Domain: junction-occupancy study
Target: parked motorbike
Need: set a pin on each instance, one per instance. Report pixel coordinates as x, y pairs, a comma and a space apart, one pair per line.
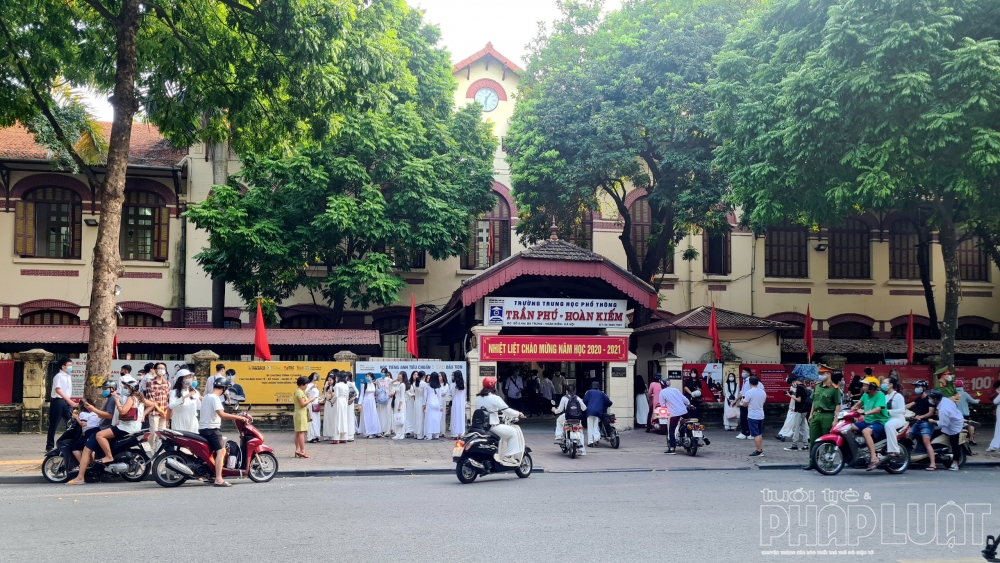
572, 438
690, 435
186, 455
941, 444
608, 430
131, 458
476, 453
843, 447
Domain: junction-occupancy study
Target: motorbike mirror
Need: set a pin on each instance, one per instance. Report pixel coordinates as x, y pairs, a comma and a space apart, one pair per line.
553, 403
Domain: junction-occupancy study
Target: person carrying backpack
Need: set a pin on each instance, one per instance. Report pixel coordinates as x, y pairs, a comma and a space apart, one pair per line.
570, 407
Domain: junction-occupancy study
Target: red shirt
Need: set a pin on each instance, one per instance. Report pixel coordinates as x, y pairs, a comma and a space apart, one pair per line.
158, 393
654, 392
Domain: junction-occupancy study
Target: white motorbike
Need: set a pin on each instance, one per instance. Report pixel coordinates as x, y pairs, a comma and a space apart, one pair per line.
477, 452
572, 438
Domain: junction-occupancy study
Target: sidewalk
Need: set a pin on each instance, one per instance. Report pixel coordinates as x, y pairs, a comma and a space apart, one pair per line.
22, 454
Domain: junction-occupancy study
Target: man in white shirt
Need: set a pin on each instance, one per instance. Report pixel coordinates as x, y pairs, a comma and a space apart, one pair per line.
746, 374
547, 389
677, 404
558, 384
60, 401
753, 400
210, 423
513, 389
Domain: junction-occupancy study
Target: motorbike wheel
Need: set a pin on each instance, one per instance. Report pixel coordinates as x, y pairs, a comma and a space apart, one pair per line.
54, 469
263, 467
465, 472
901, 463
525, 468
138, 467
165, 476
828, 458
563, 448
692, 450
572, 452
616, 441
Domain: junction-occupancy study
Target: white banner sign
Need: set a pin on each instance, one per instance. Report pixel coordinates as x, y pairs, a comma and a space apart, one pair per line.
80, 371
583, 313
409, 366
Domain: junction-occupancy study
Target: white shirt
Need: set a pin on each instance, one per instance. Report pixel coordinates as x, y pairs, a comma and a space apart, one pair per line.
210, 406
493, 405
514, 387
897, 406
746, 386
949, 417
754, 398
564, 402
210, 382
184, 410
63, 381
548, 390
90, 420
674, 400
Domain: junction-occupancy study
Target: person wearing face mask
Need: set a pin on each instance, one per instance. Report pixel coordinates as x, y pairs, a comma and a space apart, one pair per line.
963, 400
951, 422
184, 403
744, 424
995, 444
800, 412
60, 402
826, 403
731, 412
923, 410
158, 393
897, 414
872, 405
946, 382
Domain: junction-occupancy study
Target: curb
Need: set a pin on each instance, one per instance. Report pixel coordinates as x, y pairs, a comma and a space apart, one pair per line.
640, 470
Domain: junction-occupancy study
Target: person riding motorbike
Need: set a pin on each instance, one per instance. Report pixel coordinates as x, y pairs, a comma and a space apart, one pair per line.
921, 429
488, 399
896, 405
560, 411
872, 405
950, 421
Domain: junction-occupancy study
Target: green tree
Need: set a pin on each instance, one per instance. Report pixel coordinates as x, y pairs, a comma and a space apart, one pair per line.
343, 216
829, 107
250, 71
620, 102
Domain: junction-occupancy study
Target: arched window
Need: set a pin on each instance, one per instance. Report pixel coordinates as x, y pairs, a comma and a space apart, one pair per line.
850, 330
490, 238
139, 319
716, 257
50, 318
920, 332
642, 228
307, 321
583, 232
393, 345
973, 263
48, 223
786, 251
850, 251
972, 332
145, 227
904, 251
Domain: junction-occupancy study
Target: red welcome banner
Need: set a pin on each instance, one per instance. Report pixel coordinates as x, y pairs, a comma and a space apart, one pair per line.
554, 349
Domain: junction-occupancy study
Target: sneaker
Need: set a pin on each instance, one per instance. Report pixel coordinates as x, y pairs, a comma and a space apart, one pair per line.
757, 454
670, 452
792, 448
990, 450
954, 467
779, 437
741, 436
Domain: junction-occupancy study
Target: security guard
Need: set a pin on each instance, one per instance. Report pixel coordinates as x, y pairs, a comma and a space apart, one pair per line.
826, 400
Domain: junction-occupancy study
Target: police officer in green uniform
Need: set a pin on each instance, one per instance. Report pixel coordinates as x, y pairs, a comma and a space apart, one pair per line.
826, 401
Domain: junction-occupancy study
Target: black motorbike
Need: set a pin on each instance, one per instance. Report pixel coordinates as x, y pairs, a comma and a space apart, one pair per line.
131, 461
608, 430
475, 452
691, 435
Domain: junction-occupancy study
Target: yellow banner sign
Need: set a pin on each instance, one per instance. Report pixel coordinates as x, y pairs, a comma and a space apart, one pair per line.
273, 383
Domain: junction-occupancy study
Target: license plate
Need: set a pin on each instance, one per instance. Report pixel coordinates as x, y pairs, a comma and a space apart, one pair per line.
457, 452
697, 433
576, 436
663, 422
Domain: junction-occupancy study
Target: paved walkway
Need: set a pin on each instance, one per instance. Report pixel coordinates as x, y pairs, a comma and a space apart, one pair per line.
22, 454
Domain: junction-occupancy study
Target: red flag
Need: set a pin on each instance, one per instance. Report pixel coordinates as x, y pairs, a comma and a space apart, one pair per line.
114, 348
260, 347
909, 340
809, 335
713, 331
411, 332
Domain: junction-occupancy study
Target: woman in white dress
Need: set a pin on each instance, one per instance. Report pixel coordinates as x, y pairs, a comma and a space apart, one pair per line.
329, 406
641, 401
457, 405
316, 422
383, 401
371, 426
411, 413
352, 417
399, 401
184, 403
341, 411
433, 408
418, 405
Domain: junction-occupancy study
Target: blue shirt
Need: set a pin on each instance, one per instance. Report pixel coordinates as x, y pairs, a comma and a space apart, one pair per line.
597, 402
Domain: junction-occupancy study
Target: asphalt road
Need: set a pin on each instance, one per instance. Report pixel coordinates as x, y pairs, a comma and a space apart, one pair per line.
676, 516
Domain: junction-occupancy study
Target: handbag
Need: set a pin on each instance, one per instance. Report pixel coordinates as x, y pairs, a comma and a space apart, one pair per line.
397, 418
316, 407
731, 412
130, 416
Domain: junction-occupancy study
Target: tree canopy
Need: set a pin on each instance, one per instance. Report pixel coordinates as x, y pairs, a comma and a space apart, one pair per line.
831, 107
617, 103
341, 217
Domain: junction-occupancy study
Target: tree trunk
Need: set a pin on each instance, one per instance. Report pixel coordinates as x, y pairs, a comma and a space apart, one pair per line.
948, 237
220, 175
107, 260
989, 242
923, 262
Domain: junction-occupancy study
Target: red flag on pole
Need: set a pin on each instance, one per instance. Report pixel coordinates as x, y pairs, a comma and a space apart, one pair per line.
809, 335
114, 348
260, 347
713, 331
909, 340
411, 332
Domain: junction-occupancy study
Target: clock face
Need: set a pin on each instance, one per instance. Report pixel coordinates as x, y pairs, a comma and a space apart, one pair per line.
487, 98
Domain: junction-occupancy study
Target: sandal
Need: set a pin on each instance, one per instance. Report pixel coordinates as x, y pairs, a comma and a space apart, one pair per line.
932, 469
222, 484
297, 454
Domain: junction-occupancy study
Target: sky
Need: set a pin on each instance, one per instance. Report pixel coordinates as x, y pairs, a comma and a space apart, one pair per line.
466, 26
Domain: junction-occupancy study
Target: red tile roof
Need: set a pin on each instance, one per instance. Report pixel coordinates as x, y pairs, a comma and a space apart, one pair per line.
698, 318
147, 147
488, 50
196, 336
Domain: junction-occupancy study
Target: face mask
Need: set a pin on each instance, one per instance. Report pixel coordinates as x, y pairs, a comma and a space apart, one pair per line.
194, 384
161, 372
918, 390
69, 369
187, 383
948, 378
885, 386
106, 393
126, 392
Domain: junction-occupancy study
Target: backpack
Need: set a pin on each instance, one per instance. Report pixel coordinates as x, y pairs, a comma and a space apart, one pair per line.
573, 410
381, 397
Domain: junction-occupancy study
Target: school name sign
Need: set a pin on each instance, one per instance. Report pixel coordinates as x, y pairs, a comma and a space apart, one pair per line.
554, 348
581, 313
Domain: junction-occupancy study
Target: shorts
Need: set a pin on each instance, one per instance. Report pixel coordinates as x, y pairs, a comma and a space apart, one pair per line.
878, 430
214, 438
756, 427
85, 439
118, 433
921, 428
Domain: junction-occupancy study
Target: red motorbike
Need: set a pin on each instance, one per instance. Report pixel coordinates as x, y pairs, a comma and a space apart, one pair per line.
843, 447
186, 455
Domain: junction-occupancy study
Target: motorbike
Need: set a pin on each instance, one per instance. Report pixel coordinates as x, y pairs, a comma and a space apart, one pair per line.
476, 453
942, 448
131, 458
843, 447
690, 435
608, 430
572, 438
186, 455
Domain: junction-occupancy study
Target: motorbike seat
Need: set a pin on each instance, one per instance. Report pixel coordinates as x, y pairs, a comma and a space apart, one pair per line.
192, 435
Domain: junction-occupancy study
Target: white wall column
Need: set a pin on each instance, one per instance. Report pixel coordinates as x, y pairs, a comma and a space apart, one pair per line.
475, 383
620, 389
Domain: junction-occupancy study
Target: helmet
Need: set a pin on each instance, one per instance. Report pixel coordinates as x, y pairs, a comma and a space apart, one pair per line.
920, 383
108, 384
871, 380
490, 383
222, 383
128, 380
959, 383
936, 395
